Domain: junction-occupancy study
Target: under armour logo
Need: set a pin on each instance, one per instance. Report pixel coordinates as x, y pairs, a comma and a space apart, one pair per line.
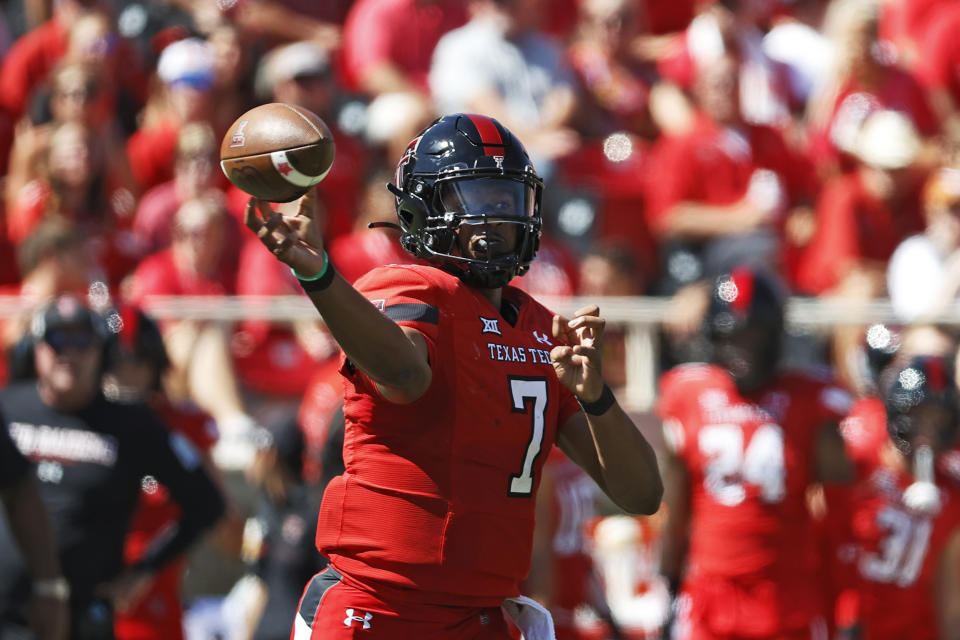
491, 325
364, 619
284, 168
542, 338
379, 303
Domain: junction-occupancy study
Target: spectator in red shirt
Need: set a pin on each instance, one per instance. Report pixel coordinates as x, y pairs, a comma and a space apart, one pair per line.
184, 94
380, 58
860, 219
718, 193
202, 368
68, 173
32, 56
862, 216
195, 172
391, 64
866, 79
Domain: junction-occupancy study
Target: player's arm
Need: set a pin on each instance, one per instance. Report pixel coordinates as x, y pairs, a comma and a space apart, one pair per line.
394, 357
948, 588
602, 439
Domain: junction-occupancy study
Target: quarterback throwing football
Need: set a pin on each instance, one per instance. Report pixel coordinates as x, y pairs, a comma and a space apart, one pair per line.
457, 386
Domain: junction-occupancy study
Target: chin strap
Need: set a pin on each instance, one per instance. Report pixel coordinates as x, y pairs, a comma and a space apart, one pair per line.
923, 496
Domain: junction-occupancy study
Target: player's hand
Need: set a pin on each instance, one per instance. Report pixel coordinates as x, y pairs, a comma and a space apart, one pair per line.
577, 362
296, 240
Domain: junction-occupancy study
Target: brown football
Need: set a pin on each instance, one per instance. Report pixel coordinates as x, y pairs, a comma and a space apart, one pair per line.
277, 151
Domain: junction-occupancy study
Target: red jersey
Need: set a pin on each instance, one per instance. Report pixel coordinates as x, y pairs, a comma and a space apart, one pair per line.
441, 510
749, 460
892, 551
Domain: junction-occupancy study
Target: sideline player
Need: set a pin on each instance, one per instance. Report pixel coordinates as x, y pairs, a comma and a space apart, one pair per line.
457, 387
901, 520
745, 444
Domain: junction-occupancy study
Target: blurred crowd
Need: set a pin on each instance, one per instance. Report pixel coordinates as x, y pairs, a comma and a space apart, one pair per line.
815, 139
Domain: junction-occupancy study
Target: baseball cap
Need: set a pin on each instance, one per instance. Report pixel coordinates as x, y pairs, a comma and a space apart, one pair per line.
67, 312
188, 62
288, 62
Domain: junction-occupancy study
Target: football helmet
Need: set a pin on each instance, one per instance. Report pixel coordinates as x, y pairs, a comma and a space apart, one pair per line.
925, 381
466, 169
133, 336
744, 325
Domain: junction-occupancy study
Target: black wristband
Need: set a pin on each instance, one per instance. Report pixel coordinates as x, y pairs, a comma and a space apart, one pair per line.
601, 405
321, 283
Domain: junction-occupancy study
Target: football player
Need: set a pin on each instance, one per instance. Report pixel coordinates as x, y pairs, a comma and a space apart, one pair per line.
457, 386
901, 519
745, 442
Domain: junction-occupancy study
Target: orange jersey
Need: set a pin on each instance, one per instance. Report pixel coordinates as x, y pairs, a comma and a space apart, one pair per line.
437, 500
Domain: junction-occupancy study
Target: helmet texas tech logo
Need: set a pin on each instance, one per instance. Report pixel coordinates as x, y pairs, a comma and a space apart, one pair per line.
408, 154
351, 618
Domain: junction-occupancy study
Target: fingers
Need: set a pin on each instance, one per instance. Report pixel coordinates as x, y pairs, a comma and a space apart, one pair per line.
308, 204
270, 227
588, 328
589, 310
250, 217
560, 327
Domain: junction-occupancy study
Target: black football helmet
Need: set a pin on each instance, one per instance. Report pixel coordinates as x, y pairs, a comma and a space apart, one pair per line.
744, 325
466, 169
134, 336
925, 381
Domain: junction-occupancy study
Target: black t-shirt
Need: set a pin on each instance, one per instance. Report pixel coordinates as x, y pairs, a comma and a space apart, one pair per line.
90, 464
13, 466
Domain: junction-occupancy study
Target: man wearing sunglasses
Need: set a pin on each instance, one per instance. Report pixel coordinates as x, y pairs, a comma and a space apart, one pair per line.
91, 457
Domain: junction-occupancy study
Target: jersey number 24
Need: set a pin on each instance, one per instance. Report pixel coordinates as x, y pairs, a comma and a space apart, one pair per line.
732, 463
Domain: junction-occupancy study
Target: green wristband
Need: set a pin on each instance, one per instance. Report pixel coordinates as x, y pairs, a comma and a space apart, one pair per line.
318, 275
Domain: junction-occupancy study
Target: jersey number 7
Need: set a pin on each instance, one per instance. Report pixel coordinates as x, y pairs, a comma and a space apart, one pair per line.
529, 395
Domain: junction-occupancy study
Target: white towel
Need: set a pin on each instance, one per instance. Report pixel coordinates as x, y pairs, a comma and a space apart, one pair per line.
533, 620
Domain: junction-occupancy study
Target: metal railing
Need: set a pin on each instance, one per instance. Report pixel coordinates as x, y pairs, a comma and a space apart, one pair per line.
639, 316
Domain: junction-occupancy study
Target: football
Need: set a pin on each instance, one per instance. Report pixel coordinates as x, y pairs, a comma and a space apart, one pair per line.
277, 151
